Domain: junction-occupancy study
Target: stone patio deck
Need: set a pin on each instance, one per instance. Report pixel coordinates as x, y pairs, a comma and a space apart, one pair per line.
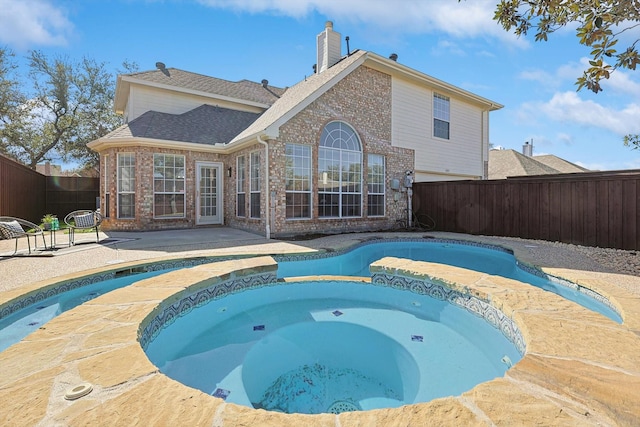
580, 367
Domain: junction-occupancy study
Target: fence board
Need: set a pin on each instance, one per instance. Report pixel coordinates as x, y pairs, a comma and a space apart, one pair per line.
592, 208
27, 194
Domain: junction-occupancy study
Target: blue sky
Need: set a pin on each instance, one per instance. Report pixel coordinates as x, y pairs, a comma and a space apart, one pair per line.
457, 42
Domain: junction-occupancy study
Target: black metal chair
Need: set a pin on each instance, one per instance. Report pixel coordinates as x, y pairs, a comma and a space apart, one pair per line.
15, 228
82, 220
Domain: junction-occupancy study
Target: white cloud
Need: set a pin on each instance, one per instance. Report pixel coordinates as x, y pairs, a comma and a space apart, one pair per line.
568, 107
32, 22
458, 19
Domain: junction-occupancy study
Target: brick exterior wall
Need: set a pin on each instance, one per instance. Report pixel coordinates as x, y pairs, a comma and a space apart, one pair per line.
144, 219
362, 99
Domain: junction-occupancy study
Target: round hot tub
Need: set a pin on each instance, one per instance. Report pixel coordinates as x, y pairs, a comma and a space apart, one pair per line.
334, 346
315, 367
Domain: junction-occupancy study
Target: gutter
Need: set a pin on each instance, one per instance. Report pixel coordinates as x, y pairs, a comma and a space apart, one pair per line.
266, 169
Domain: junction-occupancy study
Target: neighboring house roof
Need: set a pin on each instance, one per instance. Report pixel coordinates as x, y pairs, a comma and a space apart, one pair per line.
559, 164
205, 124
174, 78
505, 163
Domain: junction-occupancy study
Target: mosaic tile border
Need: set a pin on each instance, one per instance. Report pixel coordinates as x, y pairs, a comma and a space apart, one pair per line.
35, 297
377, 240
472, 304
525, 267
54, 289
568, 284
51, 291
169, 313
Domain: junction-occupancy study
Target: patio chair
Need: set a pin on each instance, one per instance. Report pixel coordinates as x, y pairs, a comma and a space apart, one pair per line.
15, 228
82, 220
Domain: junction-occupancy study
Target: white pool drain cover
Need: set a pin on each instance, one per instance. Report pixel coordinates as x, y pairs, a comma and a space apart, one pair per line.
341, 406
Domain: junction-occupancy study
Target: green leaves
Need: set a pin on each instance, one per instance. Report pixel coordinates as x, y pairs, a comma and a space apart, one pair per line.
69, 105
596, 22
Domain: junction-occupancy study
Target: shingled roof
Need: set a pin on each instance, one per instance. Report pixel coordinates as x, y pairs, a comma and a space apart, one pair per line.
205, 124
505, 163
243, 89
562, 165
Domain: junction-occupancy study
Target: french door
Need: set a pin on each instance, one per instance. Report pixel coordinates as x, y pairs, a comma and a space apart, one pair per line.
209, 193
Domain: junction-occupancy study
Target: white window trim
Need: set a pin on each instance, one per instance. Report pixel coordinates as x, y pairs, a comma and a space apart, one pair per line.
309, 192
241, 180
252, 190
183, 193
383, 193
119, 192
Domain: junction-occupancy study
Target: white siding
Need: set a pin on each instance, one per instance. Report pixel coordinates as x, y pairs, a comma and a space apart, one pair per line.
460, 157
143, 99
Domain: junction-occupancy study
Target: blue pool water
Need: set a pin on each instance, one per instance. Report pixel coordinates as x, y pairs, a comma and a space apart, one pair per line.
18, 325
352, 263
496, 262
330, 346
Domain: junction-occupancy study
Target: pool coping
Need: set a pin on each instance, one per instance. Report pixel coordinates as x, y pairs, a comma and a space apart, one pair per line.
569, 376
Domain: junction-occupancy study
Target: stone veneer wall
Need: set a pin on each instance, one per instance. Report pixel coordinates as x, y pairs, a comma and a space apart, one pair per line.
231, 219
363, 100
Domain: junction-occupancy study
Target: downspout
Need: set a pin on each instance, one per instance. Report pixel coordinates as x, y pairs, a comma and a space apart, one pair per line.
267, 205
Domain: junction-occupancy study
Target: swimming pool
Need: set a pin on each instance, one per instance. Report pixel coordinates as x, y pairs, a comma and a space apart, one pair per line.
472, 256
21, 323
332, 346
19, 318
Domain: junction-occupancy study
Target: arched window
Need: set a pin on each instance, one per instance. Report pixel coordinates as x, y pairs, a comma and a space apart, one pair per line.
339, 172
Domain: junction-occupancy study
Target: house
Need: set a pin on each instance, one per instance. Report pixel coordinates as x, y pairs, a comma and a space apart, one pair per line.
506, 163
326, 155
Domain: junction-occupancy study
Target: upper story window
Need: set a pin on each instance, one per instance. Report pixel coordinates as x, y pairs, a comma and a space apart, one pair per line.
339, 172
441, 108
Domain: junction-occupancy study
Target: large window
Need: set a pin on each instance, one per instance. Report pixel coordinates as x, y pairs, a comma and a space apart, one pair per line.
298, 180
441, 107
254, 183
241, 176
375, 185
126, 185
168, 186
339, 172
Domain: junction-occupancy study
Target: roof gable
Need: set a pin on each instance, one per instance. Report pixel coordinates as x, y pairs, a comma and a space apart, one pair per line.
301, 95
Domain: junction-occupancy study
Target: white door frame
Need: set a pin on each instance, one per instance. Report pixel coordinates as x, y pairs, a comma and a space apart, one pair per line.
219, 217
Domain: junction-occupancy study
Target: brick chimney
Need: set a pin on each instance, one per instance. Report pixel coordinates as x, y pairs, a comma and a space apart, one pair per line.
329, 48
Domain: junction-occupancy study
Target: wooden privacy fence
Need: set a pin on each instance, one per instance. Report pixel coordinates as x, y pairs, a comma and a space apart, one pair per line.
591, 209
27, 194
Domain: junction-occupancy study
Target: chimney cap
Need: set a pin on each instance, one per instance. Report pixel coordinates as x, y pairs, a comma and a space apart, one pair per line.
328, 24
265, 82
160, 65
393, 57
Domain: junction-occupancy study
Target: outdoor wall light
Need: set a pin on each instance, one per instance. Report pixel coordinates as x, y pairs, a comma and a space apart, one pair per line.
229, 172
